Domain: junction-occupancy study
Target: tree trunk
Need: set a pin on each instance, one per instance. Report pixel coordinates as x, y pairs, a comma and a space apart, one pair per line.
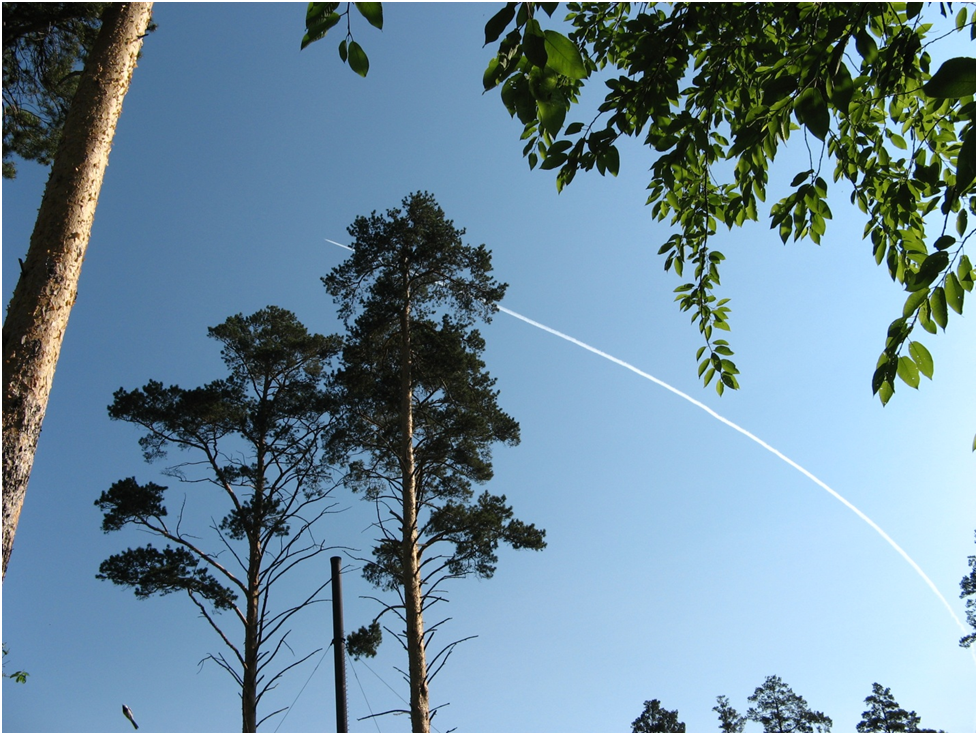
417, 663
38, 312
249, 678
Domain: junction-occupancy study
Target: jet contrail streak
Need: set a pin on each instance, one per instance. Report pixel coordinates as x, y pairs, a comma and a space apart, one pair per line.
755, 439
746, 433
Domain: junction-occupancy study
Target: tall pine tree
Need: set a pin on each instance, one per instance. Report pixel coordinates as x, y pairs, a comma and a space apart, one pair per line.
885, 715
257, 438
420, 415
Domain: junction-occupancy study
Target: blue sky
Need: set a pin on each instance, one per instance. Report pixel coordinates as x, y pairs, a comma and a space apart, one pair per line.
684, 562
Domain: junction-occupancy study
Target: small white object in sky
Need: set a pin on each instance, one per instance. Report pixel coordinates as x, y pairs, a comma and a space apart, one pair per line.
128, 713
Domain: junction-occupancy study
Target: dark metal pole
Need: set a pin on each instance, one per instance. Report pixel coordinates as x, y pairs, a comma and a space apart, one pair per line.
339, 646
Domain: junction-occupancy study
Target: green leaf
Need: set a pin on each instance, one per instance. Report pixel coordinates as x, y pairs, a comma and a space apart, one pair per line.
534, 45
925, 319
842, 88
966, 162
885, 370
866, 47
803, 176
886, 392
342, 50
551, 115
812, 112
944, 242
609, 160
923, 359
914, 300
779, 88
929, 270
373, 12
497, 23
938, 307
563, 56
553, 160
318, 29
954, 293
489, 75
358, 59
955, 78
965, 275
908, 372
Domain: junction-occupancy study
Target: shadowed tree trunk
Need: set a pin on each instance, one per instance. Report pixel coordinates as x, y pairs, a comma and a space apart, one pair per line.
38, 312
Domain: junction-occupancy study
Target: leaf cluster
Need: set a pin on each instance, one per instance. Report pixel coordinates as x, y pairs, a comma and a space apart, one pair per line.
716, 90
18, 676
321, 17
44, 48
364, 642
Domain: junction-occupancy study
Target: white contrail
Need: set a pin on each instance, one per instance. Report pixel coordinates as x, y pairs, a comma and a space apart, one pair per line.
338, 244
746, 433
755, 439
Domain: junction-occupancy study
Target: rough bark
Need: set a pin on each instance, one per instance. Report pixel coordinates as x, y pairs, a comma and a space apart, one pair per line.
413, 602
38, 311
249, 687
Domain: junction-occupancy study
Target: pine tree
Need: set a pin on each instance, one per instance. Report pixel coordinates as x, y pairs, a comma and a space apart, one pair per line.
37, 315
259, 438
420, 415
779, 709
655, 718
730, 720
885, 715
968, 595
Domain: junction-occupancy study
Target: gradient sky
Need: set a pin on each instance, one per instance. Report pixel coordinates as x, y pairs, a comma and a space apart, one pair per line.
684, 561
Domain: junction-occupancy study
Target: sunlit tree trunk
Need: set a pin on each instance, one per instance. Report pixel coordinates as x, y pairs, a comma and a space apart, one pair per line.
38, 312
413, 603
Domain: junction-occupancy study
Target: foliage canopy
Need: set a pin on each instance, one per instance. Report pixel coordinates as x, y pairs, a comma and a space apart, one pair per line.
715, 91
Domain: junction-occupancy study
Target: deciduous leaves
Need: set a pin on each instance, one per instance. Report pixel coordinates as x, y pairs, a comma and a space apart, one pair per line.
715, 91
321, 17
